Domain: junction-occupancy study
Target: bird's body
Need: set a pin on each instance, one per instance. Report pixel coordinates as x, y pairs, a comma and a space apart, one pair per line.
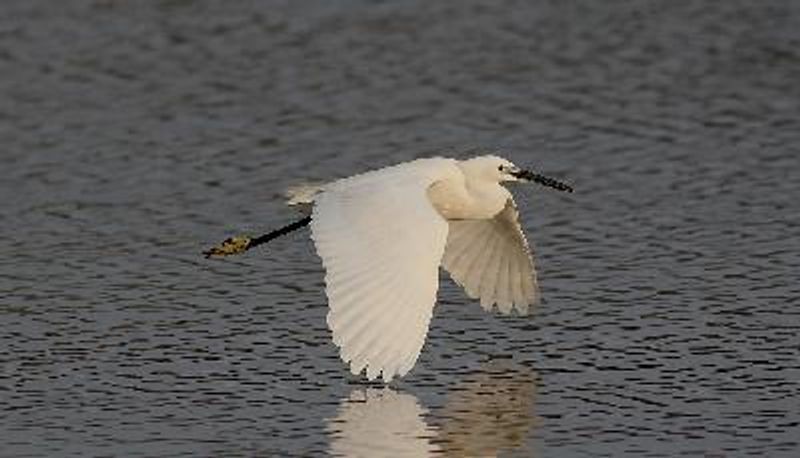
383, 235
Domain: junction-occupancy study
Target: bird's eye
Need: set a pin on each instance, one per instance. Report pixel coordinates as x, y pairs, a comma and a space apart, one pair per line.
500, 168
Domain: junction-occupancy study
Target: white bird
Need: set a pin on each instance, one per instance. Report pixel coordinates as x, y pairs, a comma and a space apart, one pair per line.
382, 236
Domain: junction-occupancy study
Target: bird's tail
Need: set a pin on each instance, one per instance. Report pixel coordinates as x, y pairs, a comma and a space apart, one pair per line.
302, 195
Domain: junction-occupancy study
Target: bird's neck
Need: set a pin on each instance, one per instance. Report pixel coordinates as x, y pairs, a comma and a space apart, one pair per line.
477, 200
488, 198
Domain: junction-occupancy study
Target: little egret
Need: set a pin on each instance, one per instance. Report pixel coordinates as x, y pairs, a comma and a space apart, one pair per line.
382, 236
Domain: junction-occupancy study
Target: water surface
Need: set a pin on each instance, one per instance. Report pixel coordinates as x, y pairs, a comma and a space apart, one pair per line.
134, 134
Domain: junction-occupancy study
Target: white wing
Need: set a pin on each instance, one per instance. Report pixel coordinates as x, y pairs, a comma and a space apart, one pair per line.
492, 261
381, 243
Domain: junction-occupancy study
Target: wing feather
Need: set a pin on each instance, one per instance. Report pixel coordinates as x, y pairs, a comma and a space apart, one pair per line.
477, 264
381, 243
503, 293
461, 259
487, 279
395, 347
353, 323
383, 347
491, 259
515, 270
520, 273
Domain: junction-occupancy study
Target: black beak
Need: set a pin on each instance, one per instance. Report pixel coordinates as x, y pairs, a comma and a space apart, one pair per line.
527, 175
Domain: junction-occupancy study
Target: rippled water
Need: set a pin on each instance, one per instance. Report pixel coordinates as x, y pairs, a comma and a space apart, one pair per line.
134, 134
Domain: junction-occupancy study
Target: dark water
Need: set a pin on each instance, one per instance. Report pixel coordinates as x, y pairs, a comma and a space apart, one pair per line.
134, 134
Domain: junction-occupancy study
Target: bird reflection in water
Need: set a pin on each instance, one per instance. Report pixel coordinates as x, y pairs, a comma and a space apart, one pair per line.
381, 423
489, 412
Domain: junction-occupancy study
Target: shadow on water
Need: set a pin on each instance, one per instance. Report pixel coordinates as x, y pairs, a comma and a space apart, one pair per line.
490, 411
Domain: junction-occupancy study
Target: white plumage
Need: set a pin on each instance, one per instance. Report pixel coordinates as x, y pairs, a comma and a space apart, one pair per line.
382, 236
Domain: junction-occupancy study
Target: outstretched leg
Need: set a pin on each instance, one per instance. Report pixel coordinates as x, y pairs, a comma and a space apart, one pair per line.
240, 244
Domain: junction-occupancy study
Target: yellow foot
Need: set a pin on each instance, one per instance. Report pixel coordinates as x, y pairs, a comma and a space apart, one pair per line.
229, 246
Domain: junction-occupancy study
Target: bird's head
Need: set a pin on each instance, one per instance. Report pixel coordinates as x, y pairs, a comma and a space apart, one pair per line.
501, 170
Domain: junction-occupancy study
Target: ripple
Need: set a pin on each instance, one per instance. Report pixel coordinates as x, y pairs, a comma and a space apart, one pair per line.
136, 133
